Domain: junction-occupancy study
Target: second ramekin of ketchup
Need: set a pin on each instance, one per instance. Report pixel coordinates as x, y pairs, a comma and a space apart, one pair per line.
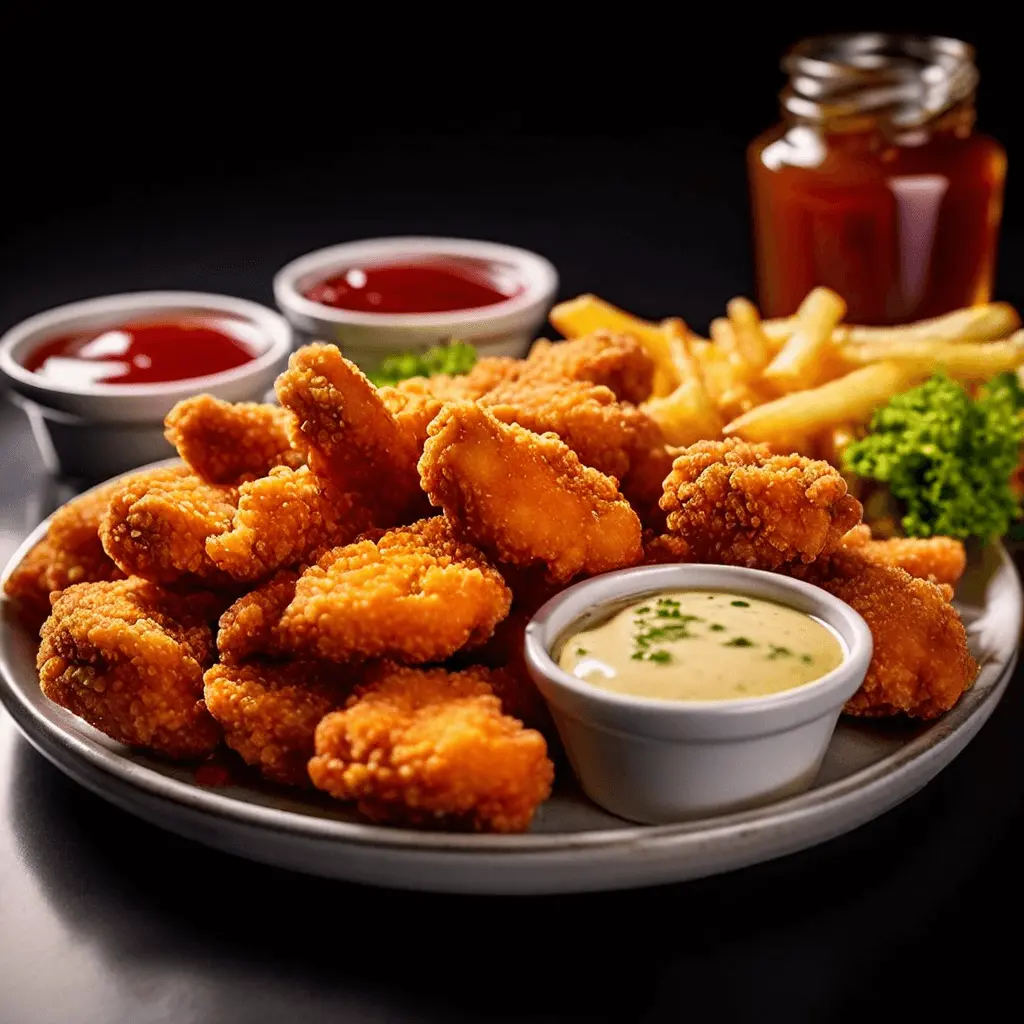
96, 378
382, 296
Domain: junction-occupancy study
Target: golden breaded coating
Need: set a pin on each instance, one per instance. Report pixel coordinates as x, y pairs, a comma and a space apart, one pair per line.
71, 552
617, 361
128, 657
158, 522
485, 375
430, 747
26, 585
284, 518
505, 657
228, 442
353, 439
666, 549
586, 417
921, 663
526, 498
940, 558
412, 411
415, 594
249, 627
269, 713
736, 503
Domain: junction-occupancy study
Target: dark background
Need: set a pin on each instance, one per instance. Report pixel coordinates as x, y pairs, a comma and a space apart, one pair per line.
188, 155
175, 153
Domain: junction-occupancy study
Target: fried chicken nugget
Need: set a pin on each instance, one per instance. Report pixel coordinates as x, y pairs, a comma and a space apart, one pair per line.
269, 713
940, 558
921, 663
526, 498
430, 747
736, 503
228, 442
249, 627
71, 552
485, 375
284, 518
158, 522
414, 594
666, 549
412, 411
128, 657
587, 418
353, 439
617, 361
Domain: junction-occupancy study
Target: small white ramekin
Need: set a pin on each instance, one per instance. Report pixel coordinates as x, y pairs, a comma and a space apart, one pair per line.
504, 329
660, 761
94, 431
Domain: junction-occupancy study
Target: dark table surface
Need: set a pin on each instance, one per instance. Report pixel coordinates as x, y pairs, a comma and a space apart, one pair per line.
104, 919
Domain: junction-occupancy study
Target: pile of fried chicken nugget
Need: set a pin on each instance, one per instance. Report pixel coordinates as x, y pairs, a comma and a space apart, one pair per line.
336, 588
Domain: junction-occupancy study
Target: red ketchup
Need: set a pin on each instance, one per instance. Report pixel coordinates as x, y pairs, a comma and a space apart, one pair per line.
151, 352
422, 286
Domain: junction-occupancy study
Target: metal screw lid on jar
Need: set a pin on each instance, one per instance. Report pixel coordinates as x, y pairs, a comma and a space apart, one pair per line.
908, 80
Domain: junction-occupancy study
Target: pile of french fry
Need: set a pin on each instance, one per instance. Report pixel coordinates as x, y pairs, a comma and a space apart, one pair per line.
808, 383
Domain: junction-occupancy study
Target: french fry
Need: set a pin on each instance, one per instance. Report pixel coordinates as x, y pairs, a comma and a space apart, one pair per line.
849, 399
688, 414
587, 313
969, 361
725, 338
988, 322
800, 362
746, 327
832, 443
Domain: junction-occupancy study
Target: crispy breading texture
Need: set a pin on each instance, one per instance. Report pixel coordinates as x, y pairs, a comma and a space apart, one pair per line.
736, 503
158, 522
250, 626
285, 518
71, 552
226, 442
666, 549
352, 437
617, 361
128, 657
526, 498
415, 594
430, 747
943, 559
485, 375
270, 712
412, 410
587, 417
921, 663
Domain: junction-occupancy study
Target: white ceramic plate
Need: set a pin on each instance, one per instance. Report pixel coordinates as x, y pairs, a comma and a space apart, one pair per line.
573, 846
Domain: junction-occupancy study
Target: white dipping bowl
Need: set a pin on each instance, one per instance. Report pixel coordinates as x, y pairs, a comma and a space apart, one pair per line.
96, 430
503, 329
659, 761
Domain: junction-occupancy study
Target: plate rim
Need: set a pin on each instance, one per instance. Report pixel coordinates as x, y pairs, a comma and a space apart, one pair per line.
59, 726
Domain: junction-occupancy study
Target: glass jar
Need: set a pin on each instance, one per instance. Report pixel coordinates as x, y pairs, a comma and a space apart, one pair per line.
876, 184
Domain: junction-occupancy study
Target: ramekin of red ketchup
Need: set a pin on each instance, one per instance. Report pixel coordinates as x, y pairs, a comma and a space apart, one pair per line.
96, 378
381, 296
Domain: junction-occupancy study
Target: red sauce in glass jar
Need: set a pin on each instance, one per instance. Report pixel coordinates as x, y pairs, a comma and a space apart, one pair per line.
145, 352
415, 286
876, 184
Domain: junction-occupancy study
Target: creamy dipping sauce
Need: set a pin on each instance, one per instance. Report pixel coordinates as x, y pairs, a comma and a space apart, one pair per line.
702, 645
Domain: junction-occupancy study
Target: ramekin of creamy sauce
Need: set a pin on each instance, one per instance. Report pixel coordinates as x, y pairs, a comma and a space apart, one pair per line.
685, 691
702, 645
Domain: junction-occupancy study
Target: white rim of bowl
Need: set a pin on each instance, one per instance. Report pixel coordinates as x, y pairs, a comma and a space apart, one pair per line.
539, 279
645, 580
274, 326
